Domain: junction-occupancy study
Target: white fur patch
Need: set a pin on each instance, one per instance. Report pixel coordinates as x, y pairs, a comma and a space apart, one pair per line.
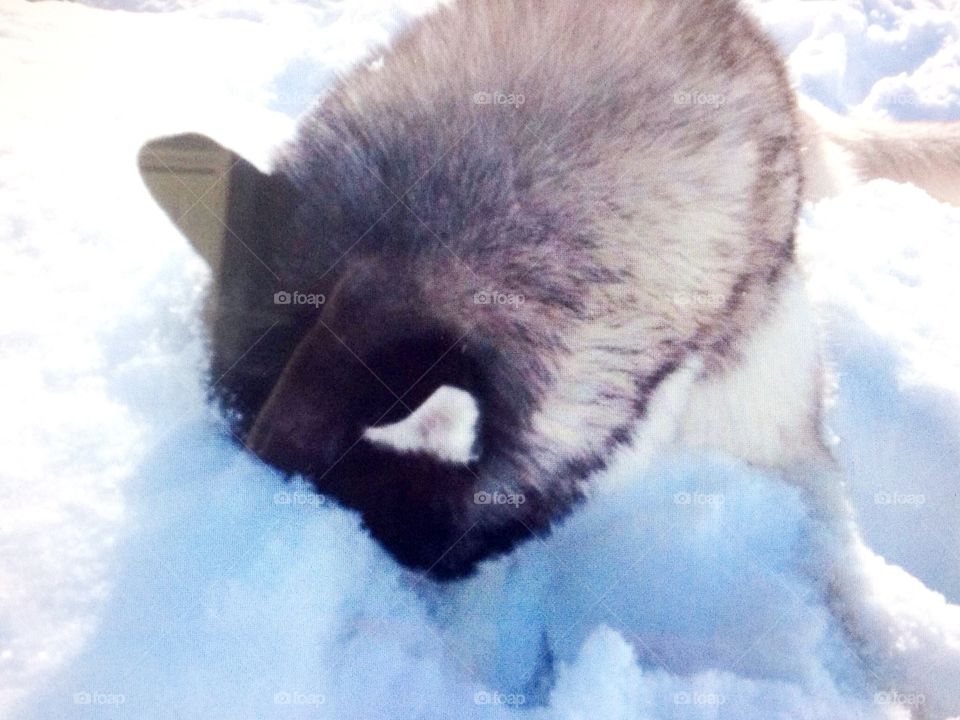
765, 410
445, 425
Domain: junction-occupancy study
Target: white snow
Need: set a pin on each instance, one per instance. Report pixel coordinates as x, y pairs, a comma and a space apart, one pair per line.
148, 569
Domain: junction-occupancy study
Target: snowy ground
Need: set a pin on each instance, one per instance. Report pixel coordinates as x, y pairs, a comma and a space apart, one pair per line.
150, 570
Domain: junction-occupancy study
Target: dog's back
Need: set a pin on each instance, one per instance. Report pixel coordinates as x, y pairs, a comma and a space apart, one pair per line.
630, 169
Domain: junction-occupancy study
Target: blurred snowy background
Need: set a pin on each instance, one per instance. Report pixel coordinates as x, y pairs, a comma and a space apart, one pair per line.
148, 569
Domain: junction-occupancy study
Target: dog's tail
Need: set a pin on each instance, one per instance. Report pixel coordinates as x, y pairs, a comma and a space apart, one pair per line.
839, 151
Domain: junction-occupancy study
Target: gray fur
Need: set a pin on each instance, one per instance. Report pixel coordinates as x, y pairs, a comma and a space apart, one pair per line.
606, 199
643, 156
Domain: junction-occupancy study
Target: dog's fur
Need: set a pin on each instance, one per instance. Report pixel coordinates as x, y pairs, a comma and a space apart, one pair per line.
580, 215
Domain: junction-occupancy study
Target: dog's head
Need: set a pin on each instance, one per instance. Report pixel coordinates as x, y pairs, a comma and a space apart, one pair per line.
342, 369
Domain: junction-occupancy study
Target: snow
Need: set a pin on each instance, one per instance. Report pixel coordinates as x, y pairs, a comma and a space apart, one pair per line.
148, 569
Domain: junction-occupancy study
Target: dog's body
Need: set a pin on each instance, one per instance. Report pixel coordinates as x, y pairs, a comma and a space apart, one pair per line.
639, 195
580, 214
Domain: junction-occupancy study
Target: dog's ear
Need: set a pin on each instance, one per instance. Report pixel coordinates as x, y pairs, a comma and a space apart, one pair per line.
209, 192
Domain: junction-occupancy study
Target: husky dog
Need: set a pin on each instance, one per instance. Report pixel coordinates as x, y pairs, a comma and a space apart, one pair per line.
574, 220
